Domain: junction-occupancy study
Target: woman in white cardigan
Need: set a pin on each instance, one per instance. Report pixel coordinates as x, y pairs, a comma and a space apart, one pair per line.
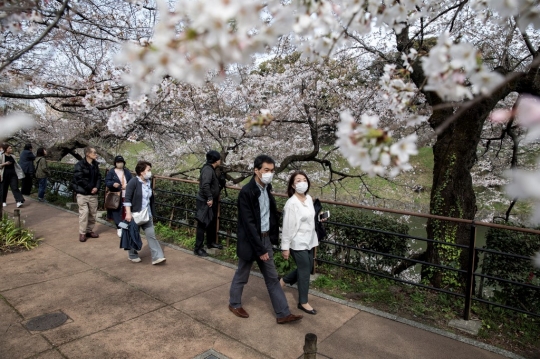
299, 237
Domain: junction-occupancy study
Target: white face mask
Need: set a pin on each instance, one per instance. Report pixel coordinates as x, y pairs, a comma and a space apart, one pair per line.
301, 187
119, 165
148, 175
266, 178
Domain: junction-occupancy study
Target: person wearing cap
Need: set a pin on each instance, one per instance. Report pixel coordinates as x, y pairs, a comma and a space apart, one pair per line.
116, 180
207, 200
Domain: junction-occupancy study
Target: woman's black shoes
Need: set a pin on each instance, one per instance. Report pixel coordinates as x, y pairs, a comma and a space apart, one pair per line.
312, 311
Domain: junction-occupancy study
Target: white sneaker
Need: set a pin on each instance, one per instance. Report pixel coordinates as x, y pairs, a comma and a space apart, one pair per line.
119, 232
19, 204
4, 204
136, 260
157, 261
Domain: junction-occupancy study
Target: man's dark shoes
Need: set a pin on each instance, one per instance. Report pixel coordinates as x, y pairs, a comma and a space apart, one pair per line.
289, 318
239, 312
82, 237
301, 307
201, 253
215, 245
92, 235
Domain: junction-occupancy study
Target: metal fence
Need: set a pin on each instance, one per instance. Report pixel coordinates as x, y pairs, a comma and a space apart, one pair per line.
377, 243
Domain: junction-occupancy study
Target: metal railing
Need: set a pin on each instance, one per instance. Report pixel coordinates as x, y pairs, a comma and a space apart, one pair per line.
175, 203
471, 274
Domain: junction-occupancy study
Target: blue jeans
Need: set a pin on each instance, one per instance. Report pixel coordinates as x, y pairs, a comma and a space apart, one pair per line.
42, 187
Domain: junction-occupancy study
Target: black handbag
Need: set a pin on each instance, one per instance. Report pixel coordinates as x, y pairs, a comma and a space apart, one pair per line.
112, 200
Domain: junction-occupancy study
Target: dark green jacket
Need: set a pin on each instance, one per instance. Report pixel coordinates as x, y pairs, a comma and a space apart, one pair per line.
42, 170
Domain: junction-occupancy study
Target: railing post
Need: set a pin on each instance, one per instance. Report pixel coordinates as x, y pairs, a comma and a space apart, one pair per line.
17, 217
310, 346
470, 273
217, 219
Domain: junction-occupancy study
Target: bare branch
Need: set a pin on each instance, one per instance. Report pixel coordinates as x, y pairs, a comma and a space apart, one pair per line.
38, 40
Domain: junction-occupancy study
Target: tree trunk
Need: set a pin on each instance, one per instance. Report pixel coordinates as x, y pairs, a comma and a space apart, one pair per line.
452, 192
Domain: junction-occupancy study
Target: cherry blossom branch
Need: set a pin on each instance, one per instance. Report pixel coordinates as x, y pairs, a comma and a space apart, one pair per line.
470, 104
38, 40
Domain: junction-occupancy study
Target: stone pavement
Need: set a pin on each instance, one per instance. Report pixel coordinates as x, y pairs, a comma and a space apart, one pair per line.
120, 309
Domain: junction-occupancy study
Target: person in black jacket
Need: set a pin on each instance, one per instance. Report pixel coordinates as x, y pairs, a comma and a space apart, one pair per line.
258, 229
86, 182
116, 180
10, 173
26, 161
207, 200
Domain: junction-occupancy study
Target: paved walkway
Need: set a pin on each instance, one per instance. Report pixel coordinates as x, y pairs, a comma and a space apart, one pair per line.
119, 309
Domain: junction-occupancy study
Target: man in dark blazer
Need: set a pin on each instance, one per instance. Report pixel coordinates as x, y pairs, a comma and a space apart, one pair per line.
258, 228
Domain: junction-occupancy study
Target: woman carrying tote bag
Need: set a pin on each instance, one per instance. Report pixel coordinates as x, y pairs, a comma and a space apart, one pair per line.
140, 198
116, 181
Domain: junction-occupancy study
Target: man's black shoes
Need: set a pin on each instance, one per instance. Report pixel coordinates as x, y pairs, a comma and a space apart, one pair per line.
200, 253
215, 245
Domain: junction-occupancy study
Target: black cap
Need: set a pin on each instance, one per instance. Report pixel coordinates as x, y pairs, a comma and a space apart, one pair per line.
119, 159
212, 156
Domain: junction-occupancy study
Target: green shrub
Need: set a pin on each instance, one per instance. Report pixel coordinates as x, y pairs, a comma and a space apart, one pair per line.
175, 202
181, 236
283, 266
514, 269
13, 238
349, 239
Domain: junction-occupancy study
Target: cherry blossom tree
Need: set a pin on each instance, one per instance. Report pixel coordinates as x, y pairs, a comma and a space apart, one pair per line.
458, 59
60, 53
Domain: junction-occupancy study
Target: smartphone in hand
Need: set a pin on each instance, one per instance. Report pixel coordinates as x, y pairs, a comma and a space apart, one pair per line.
324, 215
123, 225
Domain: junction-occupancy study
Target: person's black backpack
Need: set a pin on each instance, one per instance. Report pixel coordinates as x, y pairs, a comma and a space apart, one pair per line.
319, 227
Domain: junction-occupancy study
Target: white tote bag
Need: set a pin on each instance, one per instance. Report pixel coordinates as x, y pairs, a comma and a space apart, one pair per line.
141, 217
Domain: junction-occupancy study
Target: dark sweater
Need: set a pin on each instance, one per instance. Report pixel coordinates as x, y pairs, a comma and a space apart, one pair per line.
134, 193
26, 161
